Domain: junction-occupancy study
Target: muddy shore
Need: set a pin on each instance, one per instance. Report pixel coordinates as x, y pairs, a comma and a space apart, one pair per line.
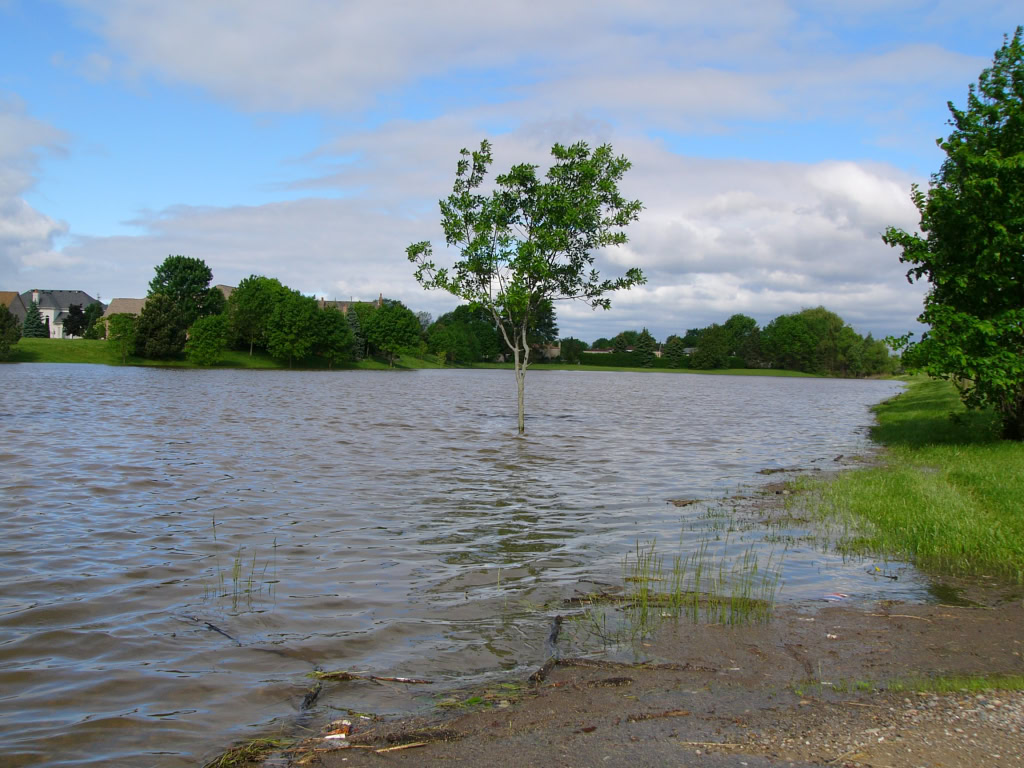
812, 687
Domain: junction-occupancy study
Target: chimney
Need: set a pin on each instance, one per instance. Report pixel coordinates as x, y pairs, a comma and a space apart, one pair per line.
35, 295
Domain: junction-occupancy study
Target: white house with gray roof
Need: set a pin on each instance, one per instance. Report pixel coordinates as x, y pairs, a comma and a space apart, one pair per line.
54, 305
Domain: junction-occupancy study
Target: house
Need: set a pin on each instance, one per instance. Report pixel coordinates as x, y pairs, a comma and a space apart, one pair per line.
53, 306
12, 300
343, 306
124, 307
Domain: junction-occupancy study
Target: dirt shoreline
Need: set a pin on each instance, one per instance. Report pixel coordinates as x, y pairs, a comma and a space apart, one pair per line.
808, 688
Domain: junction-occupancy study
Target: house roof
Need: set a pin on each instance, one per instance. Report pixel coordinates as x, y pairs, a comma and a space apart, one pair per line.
125, 307
58, 299
12, 300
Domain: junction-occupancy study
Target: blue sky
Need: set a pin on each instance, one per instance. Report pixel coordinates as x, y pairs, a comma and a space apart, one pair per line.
310, 141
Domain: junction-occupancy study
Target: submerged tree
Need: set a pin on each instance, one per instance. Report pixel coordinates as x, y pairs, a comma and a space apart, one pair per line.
531, 240
972, 249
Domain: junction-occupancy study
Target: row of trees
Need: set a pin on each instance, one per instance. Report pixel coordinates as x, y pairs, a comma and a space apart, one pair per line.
184, 314
471, 335
812, 340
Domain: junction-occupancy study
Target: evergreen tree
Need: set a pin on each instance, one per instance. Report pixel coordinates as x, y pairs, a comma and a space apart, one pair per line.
34, 328
644, 349
75, 322
160, 329
673, 351
358, 337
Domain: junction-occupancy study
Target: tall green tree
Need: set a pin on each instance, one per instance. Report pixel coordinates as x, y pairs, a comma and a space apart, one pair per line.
358, 337
712, 350
207, 340
470, 335
531, 240
971, 247
249, 309
360, 313
93, 328
334, 339
624, 340
645, 349
672, 352
292, 330
571, 350
160, 330
121, 334
186, 282
392, 329
75, 322
34, 327
744, 338
10, 332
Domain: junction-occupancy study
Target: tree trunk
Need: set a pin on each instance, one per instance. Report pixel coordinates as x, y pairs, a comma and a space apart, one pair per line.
1013, 420
520, 366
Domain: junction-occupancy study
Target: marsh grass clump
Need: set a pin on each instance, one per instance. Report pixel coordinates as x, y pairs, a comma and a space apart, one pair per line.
245, 581
247, 753
699, 586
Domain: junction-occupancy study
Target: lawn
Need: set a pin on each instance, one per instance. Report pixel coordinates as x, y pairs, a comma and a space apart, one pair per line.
948, 494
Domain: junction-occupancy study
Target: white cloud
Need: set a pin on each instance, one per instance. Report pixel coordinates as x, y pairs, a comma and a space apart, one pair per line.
717, 237
26, 235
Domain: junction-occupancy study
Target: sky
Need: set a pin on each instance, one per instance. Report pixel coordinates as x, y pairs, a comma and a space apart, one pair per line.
771, 142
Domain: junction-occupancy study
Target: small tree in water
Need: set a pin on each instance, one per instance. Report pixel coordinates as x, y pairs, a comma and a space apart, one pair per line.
531, 240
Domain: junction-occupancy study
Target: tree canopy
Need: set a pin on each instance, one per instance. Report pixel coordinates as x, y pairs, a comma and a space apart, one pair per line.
393, 328
207, 340
121, 334
249, 309
160, 329
186, 282
971, 247
10, 331
531, 240
75, 323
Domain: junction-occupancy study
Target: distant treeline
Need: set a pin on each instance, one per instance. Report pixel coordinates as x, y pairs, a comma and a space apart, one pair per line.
812, 340
183, 314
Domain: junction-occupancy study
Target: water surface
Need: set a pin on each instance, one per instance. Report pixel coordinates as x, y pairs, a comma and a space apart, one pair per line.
179, 548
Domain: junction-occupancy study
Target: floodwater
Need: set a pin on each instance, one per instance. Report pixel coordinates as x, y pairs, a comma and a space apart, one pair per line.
181, 548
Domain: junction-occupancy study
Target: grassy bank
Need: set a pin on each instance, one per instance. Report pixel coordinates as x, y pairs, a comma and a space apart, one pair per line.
101, 353
948, 495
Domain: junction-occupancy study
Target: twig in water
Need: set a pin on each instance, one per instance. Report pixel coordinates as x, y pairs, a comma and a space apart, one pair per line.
401, 746
342, 675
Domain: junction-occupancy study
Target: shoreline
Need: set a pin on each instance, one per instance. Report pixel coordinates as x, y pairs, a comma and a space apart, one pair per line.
820, 684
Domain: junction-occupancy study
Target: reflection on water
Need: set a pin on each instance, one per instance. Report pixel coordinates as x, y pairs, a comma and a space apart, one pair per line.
180, 548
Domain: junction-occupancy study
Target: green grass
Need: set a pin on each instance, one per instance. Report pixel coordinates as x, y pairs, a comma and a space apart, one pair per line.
948, 495
101, 353
959, 684
698, 586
